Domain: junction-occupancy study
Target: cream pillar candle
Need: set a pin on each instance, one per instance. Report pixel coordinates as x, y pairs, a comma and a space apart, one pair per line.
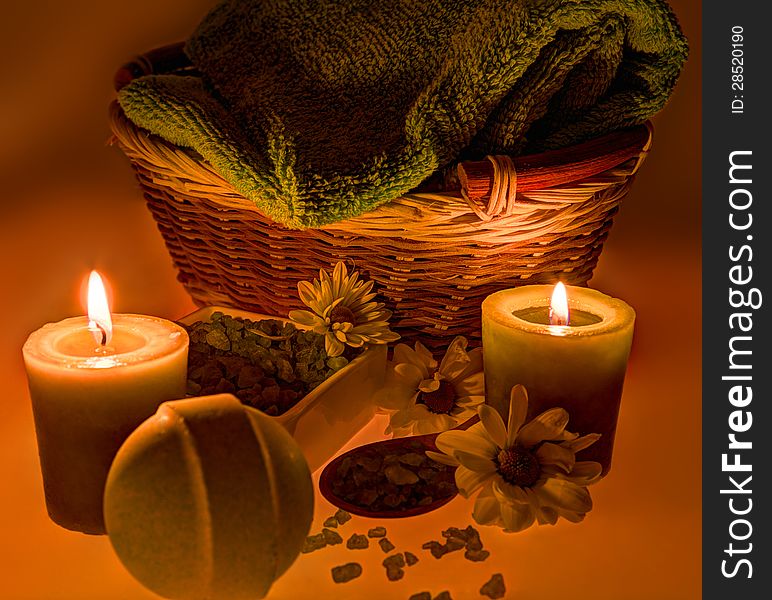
92, 383
580, 366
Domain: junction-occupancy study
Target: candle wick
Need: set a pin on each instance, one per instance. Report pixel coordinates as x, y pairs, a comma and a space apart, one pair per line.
103, 331
556, 318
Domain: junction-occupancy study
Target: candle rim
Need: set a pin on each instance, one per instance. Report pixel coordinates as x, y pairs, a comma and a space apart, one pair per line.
576, 314
615, 314
41, 344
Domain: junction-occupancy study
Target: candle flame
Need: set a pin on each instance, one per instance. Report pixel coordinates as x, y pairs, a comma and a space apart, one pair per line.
559, 305
99, 320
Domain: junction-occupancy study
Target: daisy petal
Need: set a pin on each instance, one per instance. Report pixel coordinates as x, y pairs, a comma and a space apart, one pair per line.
491, 420
408, 416
307, 293
345, 327
552, 454
585, 473
564, 494
409, 373
433, 424
388, 336
547, 515
403, 354
305, 317
371, 327
518, 407
517, 517
442, 458
572, 516
426, 357
469, 441
455, 361
338, 275
332, 346
475, 364
357, 341
506, 492
547, 426
396, 394
471, 385
392, 399
581, 443
475, 463
486, 508
469, 404
429, 385
468, 482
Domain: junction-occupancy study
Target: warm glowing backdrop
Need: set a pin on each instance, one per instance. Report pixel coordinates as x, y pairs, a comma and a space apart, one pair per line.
69, 203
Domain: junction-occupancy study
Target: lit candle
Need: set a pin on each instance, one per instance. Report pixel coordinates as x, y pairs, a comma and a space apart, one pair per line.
566, 352
92, 381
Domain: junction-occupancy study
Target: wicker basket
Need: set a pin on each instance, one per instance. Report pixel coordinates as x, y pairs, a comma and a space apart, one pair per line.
435, 255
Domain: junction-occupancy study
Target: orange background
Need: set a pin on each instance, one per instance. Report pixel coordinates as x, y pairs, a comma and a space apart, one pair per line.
69, 204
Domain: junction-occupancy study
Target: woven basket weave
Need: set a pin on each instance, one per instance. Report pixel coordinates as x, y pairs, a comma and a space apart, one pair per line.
433, 255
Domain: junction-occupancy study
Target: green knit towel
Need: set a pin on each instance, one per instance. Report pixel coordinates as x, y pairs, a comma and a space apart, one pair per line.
320, 110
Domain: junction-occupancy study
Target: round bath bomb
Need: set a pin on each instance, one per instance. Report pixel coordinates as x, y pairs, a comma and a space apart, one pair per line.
208, 499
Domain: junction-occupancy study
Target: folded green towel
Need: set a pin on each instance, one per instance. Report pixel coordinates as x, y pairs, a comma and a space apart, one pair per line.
320, 110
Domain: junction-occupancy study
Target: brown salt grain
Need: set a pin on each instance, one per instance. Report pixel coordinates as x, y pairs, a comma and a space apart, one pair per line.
494, 588
331, 537
347, 572
377, 532
313, 542
357, 542
476, 555
342, 516
330, 522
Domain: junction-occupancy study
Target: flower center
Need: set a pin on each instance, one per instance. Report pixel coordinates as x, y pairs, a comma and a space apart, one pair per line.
342, 314
442, 400
518, 466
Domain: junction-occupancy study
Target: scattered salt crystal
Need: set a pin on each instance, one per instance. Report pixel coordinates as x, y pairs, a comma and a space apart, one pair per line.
346, 572
494, 587
377, 532
386, 545
395, 560
313, 542
476, 555
331, 537
357, 542
342, 516
454, 544
331, 522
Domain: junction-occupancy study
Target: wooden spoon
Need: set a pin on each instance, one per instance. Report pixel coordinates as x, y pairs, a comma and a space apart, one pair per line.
392, 446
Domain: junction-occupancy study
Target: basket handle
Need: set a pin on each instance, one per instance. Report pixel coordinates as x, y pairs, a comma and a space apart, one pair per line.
501, 178
159, 60
501, 192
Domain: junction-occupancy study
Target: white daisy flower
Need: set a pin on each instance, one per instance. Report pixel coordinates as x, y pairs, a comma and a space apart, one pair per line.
427, 397
526, 473
343, 310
